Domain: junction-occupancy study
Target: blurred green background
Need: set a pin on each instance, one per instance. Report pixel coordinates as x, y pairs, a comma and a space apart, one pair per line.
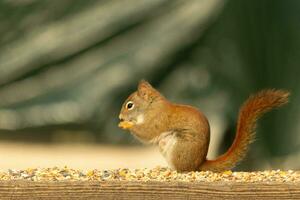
66, 66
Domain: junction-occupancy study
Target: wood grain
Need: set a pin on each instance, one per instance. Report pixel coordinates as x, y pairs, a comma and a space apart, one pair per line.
146, 190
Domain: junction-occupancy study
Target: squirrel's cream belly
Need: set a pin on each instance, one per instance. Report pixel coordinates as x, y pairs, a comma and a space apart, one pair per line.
167, 142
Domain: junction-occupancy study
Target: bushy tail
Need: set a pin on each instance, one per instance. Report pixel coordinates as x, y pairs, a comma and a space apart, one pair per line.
249, 113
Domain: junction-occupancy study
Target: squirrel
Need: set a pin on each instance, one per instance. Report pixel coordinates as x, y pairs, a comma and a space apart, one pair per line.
182, 132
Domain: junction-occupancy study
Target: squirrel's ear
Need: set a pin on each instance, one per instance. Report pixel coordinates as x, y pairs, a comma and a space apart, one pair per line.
145, 90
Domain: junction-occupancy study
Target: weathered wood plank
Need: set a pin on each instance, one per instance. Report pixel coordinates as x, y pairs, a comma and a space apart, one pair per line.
146, 190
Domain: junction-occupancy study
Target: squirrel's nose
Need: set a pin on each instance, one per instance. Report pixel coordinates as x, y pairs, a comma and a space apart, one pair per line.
121, 117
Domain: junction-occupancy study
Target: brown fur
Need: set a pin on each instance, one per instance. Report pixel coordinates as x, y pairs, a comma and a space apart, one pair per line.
182, 132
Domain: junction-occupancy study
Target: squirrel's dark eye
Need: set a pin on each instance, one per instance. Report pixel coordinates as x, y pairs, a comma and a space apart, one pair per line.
130, 105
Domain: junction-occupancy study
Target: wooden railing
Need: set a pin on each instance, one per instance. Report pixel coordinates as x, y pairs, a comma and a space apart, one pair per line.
22, 189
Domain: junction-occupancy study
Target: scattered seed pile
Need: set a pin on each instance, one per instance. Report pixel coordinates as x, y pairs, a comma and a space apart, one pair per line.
156, 174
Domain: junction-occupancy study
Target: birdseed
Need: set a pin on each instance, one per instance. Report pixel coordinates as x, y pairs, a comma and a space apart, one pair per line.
155, 174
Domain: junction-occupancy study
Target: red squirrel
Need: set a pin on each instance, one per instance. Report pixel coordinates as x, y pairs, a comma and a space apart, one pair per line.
182, 132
